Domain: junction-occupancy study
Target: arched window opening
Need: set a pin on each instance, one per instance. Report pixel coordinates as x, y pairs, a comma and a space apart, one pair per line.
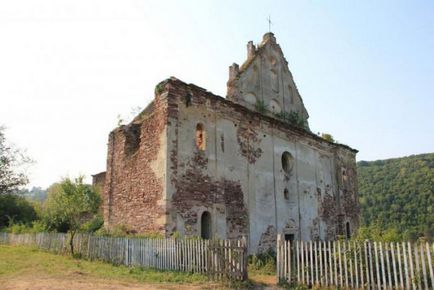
344, 174
200, 137
348, 230
290, 97
205, 226
286, 194
287, 162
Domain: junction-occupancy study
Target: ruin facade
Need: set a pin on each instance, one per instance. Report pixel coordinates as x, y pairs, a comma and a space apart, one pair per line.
198, 164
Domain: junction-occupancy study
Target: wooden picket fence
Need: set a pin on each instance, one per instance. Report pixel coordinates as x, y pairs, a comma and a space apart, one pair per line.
228, 259
356, 265
219, 259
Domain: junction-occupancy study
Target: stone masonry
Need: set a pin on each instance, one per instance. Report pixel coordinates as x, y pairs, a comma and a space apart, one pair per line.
248, 161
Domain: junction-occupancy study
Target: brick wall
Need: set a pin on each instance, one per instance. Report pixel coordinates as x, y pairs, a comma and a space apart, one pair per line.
134, 187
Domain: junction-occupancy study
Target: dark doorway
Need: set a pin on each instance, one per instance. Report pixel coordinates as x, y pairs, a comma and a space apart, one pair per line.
348, 230
289, 237
205, 226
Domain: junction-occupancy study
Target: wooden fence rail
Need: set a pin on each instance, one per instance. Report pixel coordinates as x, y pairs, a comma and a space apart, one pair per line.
349, 264
219, 259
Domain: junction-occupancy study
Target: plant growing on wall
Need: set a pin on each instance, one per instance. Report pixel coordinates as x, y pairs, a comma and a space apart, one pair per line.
293, 118
159, 88
327, 137
261, 107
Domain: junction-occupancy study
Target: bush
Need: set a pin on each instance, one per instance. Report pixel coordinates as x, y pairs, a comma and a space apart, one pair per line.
15, 209
20, 228
376, 233
293, 119
124, 231
328, 137
116, 231
284, 284
38, 226
263, 262
93, 225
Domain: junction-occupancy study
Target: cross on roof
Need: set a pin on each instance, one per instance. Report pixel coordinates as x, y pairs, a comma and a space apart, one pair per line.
269, 23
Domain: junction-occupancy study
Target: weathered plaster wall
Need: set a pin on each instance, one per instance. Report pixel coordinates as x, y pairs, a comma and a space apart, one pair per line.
134, 192
162, 177
197, 180
239, 177
265, 77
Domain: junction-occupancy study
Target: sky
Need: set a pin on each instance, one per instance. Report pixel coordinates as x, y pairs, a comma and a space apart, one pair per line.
365, 69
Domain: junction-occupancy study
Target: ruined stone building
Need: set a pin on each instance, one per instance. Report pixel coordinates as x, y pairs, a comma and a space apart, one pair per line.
245, 165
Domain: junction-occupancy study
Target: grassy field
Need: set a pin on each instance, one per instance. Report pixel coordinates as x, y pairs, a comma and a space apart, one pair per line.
30, 268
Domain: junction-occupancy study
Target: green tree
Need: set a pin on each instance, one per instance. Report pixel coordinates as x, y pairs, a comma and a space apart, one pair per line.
11, 160
15, 209
69, 206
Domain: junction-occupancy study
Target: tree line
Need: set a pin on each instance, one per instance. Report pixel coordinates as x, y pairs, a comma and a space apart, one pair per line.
397, 197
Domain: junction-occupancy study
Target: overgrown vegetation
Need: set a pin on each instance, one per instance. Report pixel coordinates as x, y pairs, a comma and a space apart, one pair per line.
263, 263
159, 88
124, 231
260, 106
294, 119
328, 137
397, 198
284, 284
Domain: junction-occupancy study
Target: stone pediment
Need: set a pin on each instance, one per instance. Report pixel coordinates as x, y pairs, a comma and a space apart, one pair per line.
264, 82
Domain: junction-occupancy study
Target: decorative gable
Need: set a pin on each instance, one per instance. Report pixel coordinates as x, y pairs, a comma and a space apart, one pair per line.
264, 82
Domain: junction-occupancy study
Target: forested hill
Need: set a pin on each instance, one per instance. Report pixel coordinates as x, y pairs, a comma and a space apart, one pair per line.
397, 195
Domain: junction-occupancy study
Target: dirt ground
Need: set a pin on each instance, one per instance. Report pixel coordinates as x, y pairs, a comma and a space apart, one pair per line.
80, 281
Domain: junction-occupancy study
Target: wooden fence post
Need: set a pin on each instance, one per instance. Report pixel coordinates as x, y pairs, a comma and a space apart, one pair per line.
279, 258
416, 260
407, 275
383, 271
401, 279
321, 279
430, 266
297, 254
422, 258
410, 260
377, 267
